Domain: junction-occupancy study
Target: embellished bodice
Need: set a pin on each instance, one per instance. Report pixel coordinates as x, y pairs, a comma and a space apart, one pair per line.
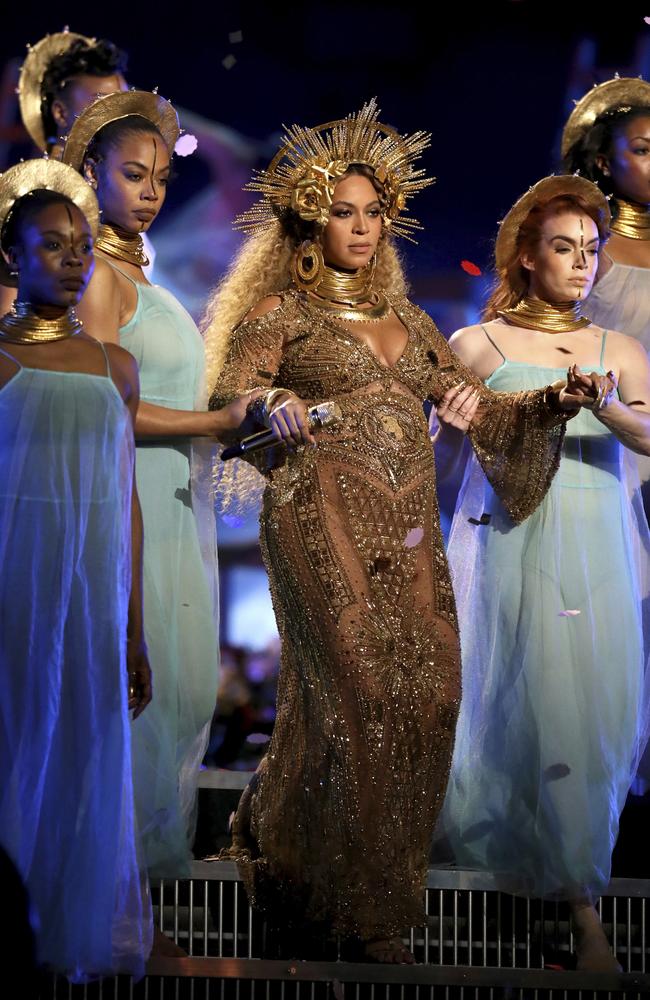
300, 347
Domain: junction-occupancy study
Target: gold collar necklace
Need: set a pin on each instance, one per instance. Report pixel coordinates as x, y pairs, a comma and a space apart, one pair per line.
124, 246
345, 293
551, 317
23, 325
631, 220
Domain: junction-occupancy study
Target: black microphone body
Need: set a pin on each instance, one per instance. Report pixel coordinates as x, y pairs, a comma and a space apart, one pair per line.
321, 415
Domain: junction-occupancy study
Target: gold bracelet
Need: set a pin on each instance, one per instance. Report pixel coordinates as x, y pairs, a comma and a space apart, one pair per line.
551, 399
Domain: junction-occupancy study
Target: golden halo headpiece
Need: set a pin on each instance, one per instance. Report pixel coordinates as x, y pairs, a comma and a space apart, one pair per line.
540, 194
111, 108
32, 73
303, 173
36, 175
612, 95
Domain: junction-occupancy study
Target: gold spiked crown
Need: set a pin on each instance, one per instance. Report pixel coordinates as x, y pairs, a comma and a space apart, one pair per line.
304, 172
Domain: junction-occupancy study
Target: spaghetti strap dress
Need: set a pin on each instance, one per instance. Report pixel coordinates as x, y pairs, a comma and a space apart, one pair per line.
66, 797
553, 714
179, 577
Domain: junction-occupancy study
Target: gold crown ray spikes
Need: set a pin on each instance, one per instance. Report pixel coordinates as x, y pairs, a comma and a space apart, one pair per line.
304, 172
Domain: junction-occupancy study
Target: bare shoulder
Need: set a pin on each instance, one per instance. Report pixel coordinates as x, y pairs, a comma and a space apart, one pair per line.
124, 369
466, 335
620, 345
266, 305
104, 276
469, 342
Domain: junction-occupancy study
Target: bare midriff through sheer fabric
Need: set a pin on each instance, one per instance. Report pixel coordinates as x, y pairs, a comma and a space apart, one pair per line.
336, 824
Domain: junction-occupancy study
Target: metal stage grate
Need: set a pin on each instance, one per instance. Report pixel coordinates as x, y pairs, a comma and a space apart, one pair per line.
477, 943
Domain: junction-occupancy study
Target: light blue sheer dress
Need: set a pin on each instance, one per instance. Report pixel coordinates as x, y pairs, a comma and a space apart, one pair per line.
553, 712
66, 799
180, 563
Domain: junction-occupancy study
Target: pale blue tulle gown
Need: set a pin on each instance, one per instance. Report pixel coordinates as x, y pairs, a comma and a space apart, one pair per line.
66, 799
180, 562
554, 708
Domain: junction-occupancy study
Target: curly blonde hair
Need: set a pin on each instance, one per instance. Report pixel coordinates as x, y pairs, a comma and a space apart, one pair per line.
263, 267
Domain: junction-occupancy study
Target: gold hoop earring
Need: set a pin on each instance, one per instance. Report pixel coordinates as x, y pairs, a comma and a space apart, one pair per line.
308, 265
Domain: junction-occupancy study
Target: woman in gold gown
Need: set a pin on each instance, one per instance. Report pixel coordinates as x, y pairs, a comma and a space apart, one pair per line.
336, 825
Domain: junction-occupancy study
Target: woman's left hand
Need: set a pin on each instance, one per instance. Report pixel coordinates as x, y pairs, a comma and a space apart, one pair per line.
139, 676
594, 391
458, 407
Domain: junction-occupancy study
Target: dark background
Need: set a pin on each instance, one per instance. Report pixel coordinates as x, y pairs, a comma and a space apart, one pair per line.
493, 82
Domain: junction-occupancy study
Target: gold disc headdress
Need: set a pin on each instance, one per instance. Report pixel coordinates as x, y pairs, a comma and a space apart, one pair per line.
619, 94
304, 172
36, 175
112, 107
32, 73
540, 194
566, 316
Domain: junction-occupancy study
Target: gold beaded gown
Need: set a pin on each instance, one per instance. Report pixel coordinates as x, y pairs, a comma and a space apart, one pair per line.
337, 822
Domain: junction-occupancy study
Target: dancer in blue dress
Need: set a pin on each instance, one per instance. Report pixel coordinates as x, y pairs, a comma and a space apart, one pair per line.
553, 715
70, 605
123, 144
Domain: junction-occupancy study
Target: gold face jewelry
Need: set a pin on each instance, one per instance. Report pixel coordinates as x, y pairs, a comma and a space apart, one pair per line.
116, 242
304, 172
631, 220
24, 326
550, 317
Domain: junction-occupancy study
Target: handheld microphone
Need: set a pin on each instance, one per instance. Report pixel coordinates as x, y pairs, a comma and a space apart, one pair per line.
321, 415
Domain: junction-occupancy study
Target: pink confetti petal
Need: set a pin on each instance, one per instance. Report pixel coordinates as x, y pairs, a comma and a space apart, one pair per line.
647, 20
470, 268
186, 144
568, 614
229, 61
414, 537
258, 738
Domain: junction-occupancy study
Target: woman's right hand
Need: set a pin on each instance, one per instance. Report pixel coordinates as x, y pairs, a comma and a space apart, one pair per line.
458, 407
289, 421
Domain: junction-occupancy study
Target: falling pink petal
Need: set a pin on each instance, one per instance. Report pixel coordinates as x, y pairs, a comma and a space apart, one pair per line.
647, 20
186, 144
470, 268
568, 614
258, 738
414, 537
229, 61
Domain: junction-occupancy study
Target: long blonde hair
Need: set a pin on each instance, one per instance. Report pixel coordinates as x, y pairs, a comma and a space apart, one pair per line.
263, 267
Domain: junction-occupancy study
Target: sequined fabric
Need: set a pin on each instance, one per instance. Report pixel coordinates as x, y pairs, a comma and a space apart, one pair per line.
337, 822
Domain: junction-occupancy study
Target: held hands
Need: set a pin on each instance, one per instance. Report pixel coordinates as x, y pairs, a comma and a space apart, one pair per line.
592, 391
458, 406
139, 676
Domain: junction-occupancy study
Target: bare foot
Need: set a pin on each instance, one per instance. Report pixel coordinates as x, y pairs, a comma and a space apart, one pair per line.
388, 951
593, 952
163, 946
